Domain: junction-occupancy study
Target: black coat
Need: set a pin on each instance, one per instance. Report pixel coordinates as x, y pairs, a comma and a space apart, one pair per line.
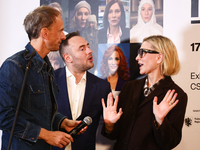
136, 129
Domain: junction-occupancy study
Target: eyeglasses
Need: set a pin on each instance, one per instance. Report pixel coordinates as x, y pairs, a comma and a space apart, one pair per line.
142, 52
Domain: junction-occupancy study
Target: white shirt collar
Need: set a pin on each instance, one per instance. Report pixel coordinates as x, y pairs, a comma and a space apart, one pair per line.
69, 74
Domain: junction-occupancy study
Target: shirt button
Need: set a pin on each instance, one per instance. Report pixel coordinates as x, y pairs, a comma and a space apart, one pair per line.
33, 138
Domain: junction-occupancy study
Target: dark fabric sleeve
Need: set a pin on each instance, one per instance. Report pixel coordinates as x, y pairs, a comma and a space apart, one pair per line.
58, 119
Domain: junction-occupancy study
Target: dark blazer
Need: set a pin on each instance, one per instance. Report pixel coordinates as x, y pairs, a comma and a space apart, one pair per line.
125, 38
96, 89
136, 129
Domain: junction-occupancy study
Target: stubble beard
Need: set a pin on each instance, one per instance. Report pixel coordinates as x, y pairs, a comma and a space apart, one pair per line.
84, 67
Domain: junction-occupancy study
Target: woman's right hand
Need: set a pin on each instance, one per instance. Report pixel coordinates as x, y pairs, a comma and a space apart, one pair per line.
110, 114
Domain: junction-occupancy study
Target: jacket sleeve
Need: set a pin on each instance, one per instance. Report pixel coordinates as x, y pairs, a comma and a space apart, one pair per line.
169, 134
58, 119
11, 79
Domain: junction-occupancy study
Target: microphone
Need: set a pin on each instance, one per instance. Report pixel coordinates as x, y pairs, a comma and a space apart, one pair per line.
86, 122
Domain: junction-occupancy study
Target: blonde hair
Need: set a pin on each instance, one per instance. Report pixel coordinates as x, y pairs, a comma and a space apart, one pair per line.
170, 64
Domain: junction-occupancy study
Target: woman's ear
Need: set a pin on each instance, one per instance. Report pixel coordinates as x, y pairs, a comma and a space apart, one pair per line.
68, 58
160, 58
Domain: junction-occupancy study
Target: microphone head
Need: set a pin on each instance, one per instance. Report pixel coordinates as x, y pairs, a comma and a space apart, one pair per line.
87, 120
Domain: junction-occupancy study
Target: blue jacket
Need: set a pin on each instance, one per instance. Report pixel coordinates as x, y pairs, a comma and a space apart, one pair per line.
38, 106
96, 89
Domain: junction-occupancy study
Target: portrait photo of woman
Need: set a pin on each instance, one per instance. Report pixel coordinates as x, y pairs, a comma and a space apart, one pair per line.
114, 68
91, 36
55, 60
146, 24
82, 11
114, 24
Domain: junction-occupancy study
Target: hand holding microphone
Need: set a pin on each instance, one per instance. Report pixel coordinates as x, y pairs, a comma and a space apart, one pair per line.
86, 122
61, 139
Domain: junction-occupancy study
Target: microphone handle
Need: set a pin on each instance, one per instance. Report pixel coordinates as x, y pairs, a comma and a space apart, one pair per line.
77, 128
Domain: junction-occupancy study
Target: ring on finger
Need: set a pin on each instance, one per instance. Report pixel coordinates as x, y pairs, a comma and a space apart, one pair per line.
170, 103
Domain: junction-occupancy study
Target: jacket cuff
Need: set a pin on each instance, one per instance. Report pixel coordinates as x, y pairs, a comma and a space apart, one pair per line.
58, 119
31, 133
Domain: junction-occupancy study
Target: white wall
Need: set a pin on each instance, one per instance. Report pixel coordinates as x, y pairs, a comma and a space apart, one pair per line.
13, 37
178, 27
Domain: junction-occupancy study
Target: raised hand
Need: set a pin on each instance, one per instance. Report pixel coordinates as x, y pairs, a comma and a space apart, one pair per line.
110, 114
161, 110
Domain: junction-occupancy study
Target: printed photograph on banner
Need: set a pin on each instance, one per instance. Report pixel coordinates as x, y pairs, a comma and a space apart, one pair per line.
55, 60
113, 21
75, 12
146, 18
113, 64
79, 15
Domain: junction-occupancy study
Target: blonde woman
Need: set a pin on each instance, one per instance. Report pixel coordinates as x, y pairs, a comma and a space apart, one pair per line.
153, 107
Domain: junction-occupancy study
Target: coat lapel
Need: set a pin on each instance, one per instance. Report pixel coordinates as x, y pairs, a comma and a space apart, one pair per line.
158, 91
89, 94
139, 88
64, 93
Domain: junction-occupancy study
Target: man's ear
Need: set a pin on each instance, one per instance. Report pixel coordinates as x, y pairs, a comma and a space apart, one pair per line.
44, 33
68, 58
